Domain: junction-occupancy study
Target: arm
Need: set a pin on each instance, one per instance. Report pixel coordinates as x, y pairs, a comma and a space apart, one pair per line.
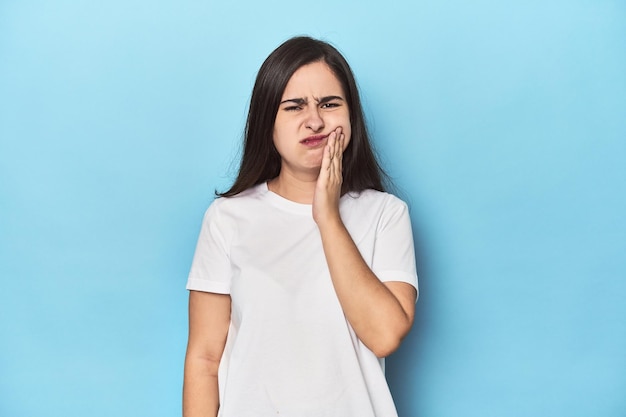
209, 319
380, 313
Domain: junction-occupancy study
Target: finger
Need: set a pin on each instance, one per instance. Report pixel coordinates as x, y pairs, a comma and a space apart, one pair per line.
332, 143
326, 159
334, 167
339, 147
339, 158
332, 138
342, 141
343, 145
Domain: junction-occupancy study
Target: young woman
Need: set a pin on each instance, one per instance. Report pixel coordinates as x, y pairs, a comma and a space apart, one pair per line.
304, 273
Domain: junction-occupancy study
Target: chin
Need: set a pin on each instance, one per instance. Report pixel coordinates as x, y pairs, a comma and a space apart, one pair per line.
315, 169
315, 162
312, 169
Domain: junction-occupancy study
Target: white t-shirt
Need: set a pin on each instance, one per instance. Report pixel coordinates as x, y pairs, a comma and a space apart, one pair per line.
290, 351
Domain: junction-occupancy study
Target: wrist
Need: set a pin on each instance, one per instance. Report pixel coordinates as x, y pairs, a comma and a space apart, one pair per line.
330, 224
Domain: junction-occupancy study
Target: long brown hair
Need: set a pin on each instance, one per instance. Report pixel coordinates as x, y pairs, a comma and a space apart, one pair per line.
260, 161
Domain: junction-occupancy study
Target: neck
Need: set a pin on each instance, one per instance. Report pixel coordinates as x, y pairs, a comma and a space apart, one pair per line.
297, 188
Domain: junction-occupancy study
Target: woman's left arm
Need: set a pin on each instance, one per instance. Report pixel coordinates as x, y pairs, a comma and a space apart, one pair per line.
380, 313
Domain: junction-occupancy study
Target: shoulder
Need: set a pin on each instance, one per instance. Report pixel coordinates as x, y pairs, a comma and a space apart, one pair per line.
371, 208
374, 200
226, 205
224, 215
372, 213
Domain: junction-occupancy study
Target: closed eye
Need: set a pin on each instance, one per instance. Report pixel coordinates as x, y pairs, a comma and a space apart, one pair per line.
293, 104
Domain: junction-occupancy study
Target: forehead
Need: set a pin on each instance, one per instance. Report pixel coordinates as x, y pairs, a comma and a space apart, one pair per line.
315, 80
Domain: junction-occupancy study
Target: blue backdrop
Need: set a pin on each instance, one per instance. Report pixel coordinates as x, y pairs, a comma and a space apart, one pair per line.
503, 124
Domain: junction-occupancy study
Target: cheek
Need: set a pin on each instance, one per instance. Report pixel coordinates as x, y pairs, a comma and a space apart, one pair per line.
347, 142
279, 134
347, 130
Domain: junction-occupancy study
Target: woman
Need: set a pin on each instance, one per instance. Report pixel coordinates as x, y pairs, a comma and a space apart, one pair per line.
304, 273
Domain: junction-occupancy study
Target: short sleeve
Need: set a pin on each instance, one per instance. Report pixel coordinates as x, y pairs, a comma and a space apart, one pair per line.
210, 269
394, 252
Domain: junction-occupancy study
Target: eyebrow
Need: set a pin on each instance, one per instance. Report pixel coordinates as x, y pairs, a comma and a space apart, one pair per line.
298, 101
301, 101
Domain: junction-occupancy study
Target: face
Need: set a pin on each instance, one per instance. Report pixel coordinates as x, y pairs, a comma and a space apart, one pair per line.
312, 106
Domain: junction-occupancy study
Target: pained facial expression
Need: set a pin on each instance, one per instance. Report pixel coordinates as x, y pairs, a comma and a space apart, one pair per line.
312, 106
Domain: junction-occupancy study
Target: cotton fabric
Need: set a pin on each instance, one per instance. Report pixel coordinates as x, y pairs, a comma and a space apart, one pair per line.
290, 351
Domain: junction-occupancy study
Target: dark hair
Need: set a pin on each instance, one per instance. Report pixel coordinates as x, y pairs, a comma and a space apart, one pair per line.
260, 160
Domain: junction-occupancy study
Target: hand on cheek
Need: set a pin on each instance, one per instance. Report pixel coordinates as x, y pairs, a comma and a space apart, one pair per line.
328, 187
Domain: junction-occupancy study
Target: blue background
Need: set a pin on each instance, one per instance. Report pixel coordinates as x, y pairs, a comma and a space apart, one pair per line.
503, 124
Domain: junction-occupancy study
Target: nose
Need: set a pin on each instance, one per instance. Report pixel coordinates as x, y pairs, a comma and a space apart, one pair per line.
314, 121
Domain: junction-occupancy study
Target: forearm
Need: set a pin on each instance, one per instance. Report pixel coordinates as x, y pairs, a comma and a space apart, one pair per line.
375, 313
200, 389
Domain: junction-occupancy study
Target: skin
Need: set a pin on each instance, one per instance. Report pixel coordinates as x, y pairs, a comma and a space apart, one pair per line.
381, 314
209, 319
312, 104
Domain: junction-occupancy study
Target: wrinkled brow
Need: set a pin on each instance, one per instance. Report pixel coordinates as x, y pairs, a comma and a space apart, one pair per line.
298, 101
328, 98
301, 101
